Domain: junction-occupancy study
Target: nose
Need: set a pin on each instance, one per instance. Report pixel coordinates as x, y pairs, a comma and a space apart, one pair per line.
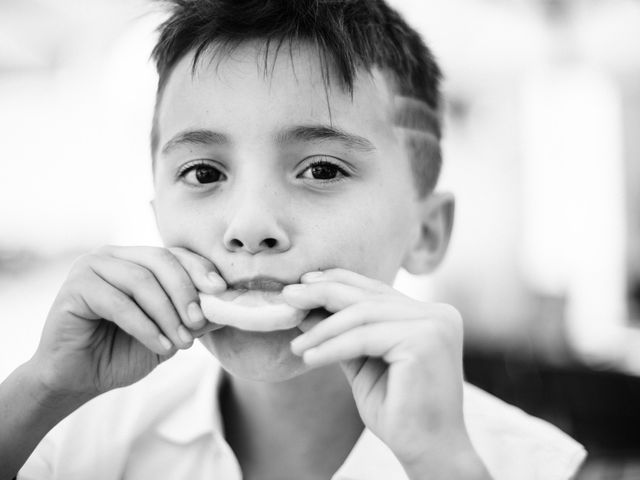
254, 224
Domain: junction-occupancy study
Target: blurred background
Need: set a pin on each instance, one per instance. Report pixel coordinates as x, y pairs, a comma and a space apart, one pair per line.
542, 150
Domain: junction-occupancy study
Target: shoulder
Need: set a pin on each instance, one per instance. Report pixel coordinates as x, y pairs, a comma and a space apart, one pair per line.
516, 445
105, 428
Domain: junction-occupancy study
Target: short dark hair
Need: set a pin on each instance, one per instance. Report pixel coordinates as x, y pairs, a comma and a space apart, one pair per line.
349, 35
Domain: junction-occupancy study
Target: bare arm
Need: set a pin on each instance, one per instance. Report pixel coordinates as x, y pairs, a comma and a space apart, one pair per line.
27, 412
120, 313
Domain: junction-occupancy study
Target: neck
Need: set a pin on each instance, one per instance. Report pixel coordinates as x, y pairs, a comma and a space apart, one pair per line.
300, 428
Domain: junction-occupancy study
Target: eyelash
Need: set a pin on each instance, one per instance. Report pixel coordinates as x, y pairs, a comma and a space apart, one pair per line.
192, 166
343, 172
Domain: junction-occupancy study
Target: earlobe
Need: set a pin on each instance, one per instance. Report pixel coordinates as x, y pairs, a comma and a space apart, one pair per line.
436, 217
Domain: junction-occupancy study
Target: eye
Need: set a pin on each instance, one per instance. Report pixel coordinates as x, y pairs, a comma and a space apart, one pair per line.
323, 170
200, 172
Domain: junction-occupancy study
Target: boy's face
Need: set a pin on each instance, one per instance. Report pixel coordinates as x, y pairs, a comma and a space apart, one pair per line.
256, 173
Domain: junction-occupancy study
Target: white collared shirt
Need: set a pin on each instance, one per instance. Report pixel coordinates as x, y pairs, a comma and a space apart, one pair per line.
168, 427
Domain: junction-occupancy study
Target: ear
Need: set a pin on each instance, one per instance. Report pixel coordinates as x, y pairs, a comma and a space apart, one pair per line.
436, 223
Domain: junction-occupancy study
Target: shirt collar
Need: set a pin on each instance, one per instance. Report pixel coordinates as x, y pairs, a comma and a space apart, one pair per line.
370, 458
199, 414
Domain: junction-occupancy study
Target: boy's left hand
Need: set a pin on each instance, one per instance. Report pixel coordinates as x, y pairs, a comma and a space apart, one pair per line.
403, 359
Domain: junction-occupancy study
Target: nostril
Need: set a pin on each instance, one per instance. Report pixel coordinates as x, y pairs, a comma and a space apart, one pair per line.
235, 243
270, 242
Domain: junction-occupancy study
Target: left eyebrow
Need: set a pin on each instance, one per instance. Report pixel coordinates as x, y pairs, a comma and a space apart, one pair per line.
314, 133
195, 137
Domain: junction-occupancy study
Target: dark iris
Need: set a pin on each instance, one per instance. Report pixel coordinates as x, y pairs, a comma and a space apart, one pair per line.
206, 174
324, 172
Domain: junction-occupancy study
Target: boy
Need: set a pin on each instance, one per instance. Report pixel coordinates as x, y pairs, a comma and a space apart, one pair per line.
295, 148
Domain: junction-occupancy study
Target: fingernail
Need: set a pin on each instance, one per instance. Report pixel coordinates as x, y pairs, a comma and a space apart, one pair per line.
297, 343
216, 282
194, 312
165, 342
311, 276
311, 356
294, 288
184, 335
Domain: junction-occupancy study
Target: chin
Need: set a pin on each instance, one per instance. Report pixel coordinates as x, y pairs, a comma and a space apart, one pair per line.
257, 356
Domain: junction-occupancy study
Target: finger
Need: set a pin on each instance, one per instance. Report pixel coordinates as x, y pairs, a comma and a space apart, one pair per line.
382, 309
354, 316
370, 340
353, 367
107, 302
341, 275
260, 319
173, 278
363, 373
209, 327
417, 341
202, 271
140, 283
329, 295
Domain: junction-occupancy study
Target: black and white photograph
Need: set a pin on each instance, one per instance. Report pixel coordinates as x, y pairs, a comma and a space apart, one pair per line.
320, 239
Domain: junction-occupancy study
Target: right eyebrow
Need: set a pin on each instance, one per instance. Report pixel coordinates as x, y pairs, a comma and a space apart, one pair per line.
195, 137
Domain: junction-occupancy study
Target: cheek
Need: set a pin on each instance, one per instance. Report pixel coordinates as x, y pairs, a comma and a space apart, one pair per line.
184, 223
371, 239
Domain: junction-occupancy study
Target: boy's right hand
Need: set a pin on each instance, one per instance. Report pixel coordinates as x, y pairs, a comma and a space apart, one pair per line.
120, 313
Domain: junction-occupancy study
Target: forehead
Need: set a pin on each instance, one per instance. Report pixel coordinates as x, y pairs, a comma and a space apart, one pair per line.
249, 91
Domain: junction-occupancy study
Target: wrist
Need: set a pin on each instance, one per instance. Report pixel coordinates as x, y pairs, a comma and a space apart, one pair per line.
44, 390
459, 462
28, 410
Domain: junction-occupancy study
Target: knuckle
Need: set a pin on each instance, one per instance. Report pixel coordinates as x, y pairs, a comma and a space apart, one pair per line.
80, 268
186, 287
171, 260
81, 262
140, 274
180, 255
120, 306
205, 262
442, 335
196, 258
67, 302
164, 255
177, 250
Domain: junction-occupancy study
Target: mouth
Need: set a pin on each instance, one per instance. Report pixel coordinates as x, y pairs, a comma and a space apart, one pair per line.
263, 283
253, 304
255, 291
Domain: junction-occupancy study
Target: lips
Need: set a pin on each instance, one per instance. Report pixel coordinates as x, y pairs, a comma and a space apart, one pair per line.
266, 284
256, 291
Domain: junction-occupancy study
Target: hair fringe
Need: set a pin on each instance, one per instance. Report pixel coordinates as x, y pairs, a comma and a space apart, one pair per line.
349, 35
